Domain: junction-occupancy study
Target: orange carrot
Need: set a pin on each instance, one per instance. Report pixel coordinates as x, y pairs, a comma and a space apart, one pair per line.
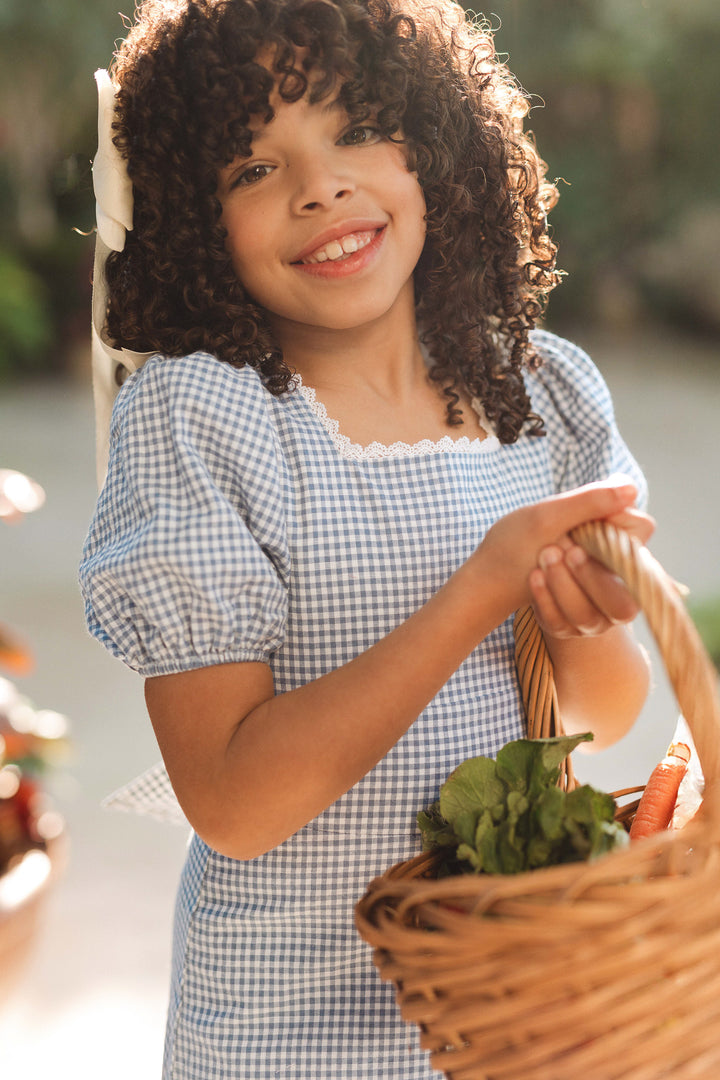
658, 799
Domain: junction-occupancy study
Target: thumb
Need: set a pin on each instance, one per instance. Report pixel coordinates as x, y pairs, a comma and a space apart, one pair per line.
601, 499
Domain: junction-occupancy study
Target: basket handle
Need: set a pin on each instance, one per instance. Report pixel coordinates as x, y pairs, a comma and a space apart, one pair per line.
691, 673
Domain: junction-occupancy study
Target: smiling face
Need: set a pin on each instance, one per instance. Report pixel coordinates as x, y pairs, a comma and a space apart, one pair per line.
325, 222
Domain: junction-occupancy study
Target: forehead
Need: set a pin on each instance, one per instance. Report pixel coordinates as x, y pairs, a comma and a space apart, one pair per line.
305, 80
278, 75
300, 74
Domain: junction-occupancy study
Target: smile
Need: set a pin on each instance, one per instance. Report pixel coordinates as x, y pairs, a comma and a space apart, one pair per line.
340, 248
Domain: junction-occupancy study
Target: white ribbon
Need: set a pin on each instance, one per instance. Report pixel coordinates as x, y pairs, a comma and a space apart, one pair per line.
114, 213
112, 185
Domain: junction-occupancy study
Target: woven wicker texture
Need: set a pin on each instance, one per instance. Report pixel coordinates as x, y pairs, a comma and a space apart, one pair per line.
605, 971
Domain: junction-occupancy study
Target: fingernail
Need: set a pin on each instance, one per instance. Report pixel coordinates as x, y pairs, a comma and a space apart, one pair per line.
536, 579
575, 557
621, 482
550, 556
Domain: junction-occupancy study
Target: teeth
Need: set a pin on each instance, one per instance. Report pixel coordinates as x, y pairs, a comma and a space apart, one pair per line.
337, 249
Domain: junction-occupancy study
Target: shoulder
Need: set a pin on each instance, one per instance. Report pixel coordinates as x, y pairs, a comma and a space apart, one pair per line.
571, 396
568, 384
198, 383
566, 366
197, 398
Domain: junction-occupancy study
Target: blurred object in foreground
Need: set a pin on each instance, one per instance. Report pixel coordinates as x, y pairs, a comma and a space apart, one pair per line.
31, 741
19, 495
15, 656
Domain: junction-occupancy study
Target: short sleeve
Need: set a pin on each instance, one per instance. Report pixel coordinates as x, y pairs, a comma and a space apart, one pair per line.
186, 562
571, 396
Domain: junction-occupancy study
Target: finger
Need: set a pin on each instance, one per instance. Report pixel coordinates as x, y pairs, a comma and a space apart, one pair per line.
553, 620
635, 522
575, 611
603, 499
548, 615
604, 591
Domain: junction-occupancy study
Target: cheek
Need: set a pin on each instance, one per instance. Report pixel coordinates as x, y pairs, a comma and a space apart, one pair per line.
244, 244
412, 198
416, 211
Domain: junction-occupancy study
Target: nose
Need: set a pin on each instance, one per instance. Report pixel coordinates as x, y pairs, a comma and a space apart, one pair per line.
321, 184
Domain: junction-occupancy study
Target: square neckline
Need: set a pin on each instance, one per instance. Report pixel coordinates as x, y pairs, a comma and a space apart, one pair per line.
377, 451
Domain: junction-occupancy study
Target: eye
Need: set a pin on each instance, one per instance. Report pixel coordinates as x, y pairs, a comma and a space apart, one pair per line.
251, 175
360, 135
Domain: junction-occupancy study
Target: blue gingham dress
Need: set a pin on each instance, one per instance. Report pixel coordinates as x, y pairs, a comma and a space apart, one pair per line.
235, 526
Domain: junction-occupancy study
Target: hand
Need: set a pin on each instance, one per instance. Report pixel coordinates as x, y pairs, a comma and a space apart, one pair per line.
573, 595
567, 600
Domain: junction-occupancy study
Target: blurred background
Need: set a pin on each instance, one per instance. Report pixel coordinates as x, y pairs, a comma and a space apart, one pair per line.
625, 96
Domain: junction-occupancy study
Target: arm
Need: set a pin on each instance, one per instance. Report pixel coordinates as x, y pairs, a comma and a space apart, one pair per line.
251, 768
601, 683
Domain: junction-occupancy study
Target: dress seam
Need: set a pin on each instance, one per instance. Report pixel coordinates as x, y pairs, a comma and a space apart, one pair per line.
178, 1010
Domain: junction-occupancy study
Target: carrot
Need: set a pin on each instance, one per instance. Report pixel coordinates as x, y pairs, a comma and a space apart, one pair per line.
658, 799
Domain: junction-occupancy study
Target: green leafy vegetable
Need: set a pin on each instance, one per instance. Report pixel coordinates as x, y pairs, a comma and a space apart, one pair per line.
508, 815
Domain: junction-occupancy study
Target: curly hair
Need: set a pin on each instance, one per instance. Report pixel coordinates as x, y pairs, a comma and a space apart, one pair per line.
189, 84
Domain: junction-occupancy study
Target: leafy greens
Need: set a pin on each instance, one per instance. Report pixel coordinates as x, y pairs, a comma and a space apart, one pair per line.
508, 815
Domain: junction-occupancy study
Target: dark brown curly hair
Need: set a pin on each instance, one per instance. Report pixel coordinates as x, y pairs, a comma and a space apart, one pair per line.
189, 84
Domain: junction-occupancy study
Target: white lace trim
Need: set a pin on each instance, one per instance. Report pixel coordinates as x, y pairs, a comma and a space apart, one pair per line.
375, 451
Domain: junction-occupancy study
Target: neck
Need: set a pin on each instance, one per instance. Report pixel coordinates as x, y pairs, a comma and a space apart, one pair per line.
384, 354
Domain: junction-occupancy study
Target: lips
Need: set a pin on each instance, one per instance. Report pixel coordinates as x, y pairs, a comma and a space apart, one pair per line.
340, 248
343, 253
338, 241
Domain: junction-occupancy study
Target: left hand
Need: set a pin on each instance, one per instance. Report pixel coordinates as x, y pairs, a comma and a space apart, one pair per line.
574, 595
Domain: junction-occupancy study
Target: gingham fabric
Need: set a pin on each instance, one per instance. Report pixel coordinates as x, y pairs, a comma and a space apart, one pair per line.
237, 526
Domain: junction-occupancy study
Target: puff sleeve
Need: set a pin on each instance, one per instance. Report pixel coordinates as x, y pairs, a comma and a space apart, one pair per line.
571, 396
186, 562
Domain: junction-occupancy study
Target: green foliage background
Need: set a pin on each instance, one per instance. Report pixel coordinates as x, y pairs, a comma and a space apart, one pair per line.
630, 92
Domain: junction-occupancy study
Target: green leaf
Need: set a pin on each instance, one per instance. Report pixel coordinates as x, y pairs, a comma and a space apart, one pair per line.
613, 836
530, 765
467, 853
470, 789
551, 754
517, 805
434, 830
539, 852
511, 849
587, 804
486, 842
549, 810
516, 762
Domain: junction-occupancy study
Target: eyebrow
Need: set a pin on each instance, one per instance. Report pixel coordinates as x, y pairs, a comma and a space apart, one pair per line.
333, 105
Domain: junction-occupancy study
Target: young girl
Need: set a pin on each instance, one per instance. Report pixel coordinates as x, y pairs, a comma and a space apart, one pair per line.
349, 460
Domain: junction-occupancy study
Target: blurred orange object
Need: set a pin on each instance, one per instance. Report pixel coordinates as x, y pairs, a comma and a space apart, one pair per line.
15, 656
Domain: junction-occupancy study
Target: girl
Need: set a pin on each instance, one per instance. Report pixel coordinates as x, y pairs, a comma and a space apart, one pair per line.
349, 460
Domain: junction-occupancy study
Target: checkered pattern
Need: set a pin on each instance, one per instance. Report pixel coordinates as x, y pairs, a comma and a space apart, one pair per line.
150, 793
238, 526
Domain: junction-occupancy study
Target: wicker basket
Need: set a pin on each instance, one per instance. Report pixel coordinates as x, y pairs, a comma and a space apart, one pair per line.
607, 970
